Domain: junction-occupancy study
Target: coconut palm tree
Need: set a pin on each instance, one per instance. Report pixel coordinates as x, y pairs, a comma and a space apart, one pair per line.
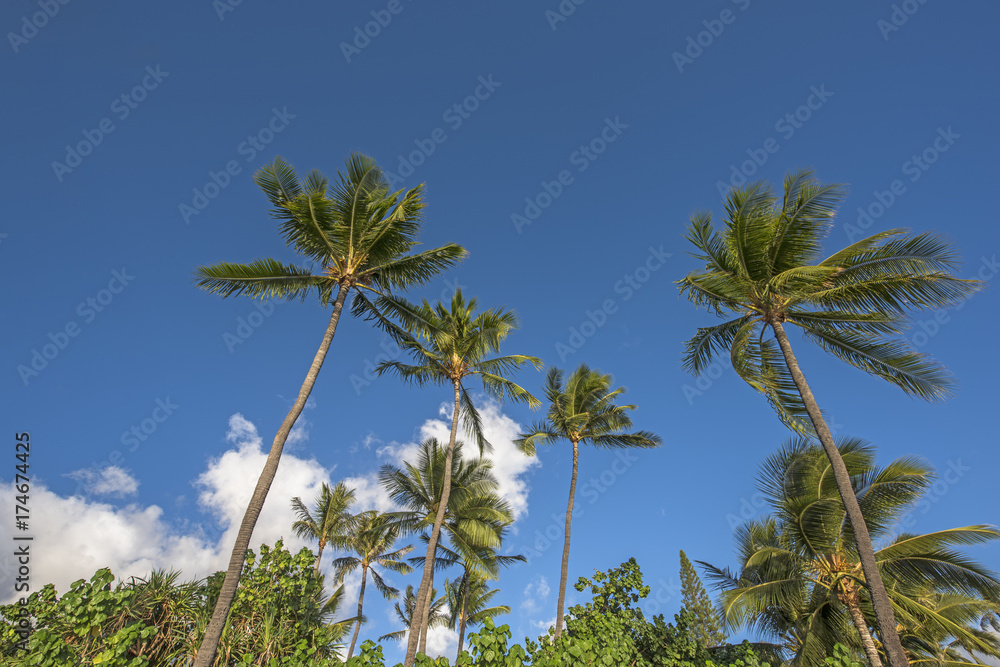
330, 522
449, 345
469, 595
582, 411
360, 236
373, 536
800, 577
474, 519
438, 617
765, 271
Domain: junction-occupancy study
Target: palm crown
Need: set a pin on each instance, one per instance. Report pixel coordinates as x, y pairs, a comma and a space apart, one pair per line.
800, 576
766, 267
355, 230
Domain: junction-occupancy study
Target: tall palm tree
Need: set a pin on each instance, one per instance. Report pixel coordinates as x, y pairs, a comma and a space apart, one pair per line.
330, 522
766, 269
373, 536
404, 613
474, 518
359, 234
800, 578
582, 411
450, 345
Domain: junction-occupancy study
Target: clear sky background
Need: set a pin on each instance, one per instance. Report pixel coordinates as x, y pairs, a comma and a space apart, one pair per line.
113, 199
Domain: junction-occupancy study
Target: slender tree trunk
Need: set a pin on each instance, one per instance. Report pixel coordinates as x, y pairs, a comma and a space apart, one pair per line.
213, 633
361, 601
461, 618
873, 579
319, 556
565, 556
850, 600
425, 581
426, 615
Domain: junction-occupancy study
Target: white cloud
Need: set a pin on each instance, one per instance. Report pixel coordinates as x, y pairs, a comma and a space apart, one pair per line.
535, 593
75, 536
111, 481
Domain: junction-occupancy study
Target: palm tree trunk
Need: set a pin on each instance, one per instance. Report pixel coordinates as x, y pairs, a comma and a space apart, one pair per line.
862, 626
319, 555
425, 581
426, 616
565, 556
213, 633
873, 579
461, 619
361, 601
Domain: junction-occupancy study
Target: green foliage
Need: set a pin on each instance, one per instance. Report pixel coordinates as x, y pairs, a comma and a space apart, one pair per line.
277, 618
842, 658
706, 625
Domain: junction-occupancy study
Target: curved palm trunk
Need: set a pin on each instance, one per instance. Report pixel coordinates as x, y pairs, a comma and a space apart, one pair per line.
213, 633
319, 556
461, 618
850, 600
565, 556
425, 581
361, 601
880, 599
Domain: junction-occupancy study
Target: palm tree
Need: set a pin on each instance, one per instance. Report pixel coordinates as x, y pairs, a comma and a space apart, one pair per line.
765, 269
474, 518
800, 577
373, 536
450, 345
405, 613
359, 234
331, 521
468, 596
583, 412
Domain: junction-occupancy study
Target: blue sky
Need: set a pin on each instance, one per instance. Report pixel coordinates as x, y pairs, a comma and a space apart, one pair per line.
564, 149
